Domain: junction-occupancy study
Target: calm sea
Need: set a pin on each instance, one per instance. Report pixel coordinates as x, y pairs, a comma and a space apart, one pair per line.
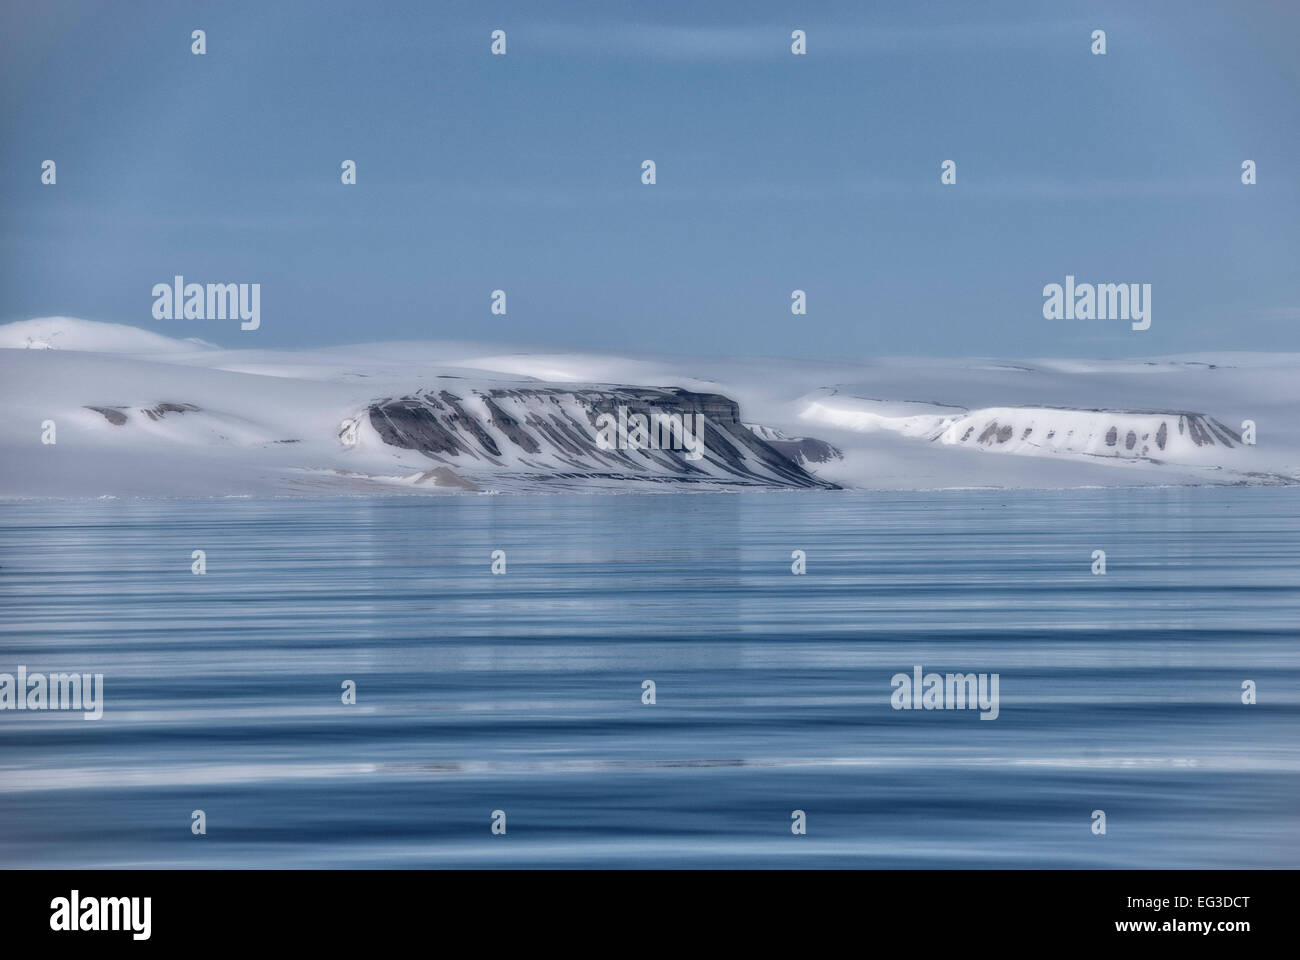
522, 692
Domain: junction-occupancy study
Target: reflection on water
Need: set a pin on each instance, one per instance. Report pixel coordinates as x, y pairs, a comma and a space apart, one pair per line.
523, 692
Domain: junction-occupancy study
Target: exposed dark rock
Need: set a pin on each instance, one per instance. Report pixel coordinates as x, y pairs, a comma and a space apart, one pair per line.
999, 434
542, 423
799, 449
806, 450
446, 477
161, 410
113, 415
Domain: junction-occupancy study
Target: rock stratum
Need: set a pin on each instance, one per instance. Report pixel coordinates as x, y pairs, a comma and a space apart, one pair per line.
549, 435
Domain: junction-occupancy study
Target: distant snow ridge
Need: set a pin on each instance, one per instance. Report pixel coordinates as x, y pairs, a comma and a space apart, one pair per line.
72, 333
186, 423
1092, 432
1031, 430
548, 434
799, 449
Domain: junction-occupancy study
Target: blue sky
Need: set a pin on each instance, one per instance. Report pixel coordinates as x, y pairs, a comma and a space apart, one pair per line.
775, 172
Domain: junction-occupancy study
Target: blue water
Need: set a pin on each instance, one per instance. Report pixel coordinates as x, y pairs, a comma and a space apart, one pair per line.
522, 692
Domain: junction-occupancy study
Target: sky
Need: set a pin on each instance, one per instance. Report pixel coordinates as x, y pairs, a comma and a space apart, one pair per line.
774, 172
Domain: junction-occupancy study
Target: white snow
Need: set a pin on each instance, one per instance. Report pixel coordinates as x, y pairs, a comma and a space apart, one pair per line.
69, 333
268, 421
